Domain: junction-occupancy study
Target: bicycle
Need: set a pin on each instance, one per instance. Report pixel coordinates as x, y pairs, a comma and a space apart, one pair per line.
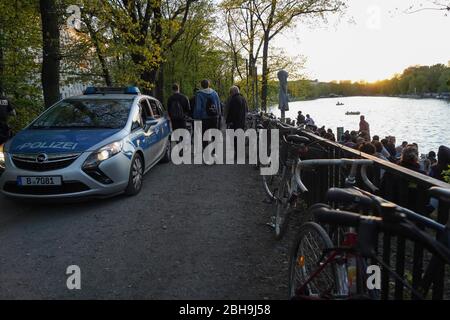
369, 201
271, 183
328, 276
292, 187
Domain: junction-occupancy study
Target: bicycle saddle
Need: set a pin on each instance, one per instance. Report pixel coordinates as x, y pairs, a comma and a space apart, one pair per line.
294, 138
348, 195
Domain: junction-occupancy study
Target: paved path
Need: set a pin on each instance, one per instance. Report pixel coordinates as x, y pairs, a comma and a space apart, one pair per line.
194, 232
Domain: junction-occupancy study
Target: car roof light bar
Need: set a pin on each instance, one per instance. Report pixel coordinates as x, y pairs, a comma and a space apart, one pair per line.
112, 90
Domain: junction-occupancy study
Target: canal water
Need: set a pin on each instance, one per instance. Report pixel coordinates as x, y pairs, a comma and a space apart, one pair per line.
424, 121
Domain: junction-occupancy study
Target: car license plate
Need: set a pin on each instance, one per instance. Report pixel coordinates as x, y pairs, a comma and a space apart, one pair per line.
39, 181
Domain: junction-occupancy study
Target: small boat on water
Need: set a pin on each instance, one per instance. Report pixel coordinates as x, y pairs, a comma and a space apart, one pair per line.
352, 113
339, 103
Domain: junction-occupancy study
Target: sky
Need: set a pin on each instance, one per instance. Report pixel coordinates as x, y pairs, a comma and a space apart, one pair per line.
371, 41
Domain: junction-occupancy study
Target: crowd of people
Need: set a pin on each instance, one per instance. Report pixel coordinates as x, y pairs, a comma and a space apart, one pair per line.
405, 154
205, 106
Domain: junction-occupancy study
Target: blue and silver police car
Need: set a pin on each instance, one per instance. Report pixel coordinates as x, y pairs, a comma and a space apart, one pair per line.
97, 144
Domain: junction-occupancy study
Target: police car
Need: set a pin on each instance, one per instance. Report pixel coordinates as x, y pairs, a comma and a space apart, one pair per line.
98, 144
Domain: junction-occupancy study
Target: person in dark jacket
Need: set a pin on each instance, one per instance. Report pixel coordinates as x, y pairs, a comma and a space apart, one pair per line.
178, 107
410, 158
390, 146
6, 110
237, 109
300, 118
442, 164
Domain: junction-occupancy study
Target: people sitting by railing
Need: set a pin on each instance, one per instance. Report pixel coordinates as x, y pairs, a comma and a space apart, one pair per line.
330, 135
348, 142
410, 158
442, 164
368, 148
400, 148
406, 155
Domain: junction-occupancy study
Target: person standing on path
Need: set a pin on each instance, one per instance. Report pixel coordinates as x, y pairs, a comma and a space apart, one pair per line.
207, 108
178, 107
237, 109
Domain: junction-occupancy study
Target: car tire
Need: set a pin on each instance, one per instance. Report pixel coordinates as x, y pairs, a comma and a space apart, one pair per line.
136, 178
166, 157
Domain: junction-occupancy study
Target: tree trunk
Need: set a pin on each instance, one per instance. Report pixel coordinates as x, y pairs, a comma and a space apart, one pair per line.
251, 77
2, 66
265, 72
105, 71
93, 34
51, 51
159, 92
150, 76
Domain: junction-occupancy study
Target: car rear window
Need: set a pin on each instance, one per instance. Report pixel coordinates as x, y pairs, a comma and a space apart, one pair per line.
86, 113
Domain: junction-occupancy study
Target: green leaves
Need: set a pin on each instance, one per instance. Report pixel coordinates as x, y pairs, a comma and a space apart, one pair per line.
446, 175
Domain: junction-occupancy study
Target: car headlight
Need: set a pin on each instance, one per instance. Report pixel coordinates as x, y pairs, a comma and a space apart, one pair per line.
2, 158
104, 153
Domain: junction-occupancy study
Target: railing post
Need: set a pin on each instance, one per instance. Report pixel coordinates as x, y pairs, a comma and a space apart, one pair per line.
419, 206
439, 275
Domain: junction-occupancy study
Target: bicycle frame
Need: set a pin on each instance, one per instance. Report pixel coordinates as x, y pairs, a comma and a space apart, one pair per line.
443, 236
335, 256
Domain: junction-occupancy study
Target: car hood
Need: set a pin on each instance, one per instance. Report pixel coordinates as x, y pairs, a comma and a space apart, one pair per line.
58, 141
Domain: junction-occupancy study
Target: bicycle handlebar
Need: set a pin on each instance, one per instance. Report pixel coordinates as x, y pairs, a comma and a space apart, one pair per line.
397, 227
441, 193
414, 216
354, 162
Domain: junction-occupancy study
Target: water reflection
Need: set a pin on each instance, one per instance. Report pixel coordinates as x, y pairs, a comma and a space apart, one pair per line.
424, 121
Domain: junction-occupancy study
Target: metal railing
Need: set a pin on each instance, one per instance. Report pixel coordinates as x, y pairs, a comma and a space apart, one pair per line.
405, 187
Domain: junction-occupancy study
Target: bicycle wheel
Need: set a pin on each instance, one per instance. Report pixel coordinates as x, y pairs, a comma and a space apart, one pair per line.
284, 204
304, 260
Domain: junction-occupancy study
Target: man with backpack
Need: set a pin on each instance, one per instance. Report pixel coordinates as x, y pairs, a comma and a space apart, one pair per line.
207, 108
178, 106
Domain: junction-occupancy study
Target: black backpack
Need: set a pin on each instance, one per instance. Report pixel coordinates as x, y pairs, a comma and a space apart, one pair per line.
211, 108
176, 110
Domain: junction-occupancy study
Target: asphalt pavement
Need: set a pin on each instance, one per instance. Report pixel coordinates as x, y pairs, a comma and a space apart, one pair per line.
194, 232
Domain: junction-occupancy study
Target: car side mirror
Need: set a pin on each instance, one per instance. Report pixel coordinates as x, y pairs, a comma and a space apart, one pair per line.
150, 123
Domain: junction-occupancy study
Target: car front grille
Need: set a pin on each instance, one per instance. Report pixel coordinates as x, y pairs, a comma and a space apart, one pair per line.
53, 162
66, 188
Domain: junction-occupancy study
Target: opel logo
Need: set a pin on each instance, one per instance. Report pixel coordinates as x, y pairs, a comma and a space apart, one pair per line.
41, 158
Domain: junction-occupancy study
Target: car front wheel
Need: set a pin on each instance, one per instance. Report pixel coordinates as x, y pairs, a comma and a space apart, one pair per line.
136, 176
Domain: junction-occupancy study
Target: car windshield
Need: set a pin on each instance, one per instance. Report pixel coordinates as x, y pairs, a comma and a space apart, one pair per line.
86, 113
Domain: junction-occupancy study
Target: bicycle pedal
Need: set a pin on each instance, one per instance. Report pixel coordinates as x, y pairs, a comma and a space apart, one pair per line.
270, 224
